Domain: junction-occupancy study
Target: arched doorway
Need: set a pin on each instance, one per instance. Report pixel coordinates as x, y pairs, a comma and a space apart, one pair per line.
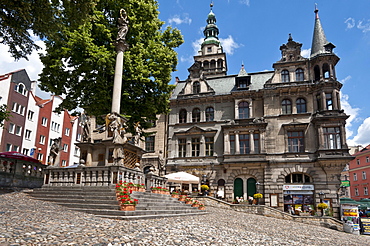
251, 187
238, 187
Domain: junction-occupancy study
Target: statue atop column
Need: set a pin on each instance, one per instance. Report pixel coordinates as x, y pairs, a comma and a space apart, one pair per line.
122, 26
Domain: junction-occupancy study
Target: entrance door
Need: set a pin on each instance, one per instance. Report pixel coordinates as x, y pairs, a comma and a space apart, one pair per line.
238, 187
251, 187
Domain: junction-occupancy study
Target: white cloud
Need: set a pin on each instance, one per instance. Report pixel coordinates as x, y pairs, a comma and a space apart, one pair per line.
363, 134
349, 110
178, 20
306, 53
33, 66
350, 23
343, 81
364, 25
196, 45
246, 2
229, 45
188, 59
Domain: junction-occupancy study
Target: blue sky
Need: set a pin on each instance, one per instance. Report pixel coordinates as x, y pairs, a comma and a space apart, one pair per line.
252, 31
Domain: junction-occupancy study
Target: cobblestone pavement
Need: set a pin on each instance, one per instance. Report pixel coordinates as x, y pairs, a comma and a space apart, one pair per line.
25, 221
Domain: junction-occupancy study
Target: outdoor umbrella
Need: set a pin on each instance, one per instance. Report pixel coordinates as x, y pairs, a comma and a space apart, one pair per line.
18, 156
182, 178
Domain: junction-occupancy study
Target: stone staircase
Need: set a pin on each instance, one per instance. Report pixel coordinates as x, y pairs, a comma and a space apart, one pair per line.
101, 201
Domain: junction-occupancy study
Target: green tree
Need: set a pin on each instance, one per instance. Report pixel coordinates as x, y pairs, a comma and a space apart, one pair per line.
79, 61
4, 115
20, 18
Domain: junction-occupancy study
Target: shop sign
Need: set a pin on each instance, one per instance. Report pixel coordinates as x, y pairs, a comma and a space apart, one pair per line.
345, 183
365, 225
302, 192
298, 187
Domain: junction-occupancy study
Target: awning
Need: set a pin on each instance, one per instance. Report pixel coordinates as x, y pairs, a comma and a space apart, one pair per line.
18, 156
182, 178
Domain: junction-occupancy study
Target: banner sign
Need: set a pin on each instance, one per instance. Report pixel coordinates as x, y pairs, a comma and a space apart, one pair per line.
298, 187
345, 183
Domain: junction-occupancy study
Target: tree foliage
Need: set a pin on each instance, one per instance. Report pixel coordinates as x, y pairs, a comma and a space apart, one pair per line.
4, 115
80, 60
18, 18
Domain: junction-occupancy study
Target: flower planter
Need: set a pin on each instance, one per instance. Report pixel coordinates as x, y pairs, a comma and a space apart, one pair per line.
127, 207
175, 196
182, 199
141, 189
188, 202
202, 208
195, 205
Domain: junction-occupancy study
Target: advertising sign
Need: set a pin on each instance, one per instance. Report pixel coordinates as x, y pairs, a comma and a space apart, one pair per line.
345, 183
298, 187
365, 226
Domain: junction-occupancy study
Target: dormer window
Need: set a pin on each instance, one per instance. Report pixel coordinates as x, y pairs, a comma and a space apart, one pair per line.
243, 82
196, 87
285, 76
209, 49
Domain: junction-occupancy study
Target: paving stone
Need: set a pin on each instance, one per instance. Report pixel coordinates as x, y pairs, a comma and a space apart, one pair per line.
26, 221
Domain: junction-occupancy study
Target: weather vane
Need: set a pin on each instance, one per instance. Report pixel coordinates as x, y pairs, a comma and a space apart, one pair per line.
211, 5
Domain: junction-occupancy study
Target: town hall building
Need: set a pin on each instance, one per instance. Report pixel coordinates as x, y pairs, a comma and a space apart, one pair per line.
280, 133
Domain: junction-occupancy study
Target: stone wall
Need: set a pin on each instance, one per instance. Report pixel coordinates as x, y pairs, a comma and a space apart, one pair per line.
327, 222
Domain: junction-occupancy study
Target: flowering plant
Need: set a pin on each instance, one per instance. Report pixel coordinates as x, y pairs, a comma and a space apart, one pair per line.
204, 187
201, 205
129, 201
140, 185
322, 205
195, 202
175, 193
257, 196
188, 199
182, 196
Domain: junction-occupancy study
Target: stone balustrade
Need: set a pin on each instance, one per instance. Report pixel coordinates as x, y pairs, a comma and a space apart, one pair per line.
98, 176
22, 174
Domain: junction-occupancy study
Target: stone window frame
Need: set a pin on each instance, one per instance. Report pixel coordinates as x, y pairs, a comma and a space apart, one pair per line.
285, 76
286, 108
250, 111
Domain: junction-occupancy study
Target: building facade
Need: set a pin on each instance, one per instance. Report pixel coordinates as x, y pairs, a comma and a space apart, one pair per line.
280, 133
33, 124
359, 174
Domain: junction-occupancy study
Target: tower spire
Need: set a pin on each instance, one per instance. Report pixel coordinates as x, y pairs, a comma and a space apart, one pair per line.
319, 39
211, 30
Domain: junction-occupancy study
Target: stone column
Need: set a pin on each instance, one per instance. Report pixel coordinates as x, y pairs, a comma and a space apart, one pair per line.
121, 46
226, 143
237, 147
251, 142
335, 100
323, 101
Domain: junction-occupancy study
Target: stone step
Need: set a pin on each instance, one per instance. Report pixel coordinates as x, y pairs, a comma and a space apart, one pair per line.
101, 201
150, 216
136, 212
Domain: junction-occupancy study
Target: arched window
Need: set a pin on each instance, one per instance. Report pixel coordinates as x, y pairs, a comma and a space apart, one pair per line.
182, 116
210, 113
195, 116
286, 106
196, 87
316, 70
220, 63
20, 88
301, 106
285, 76
213, 64
206, 65
326, 71
243, 110
299, 74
